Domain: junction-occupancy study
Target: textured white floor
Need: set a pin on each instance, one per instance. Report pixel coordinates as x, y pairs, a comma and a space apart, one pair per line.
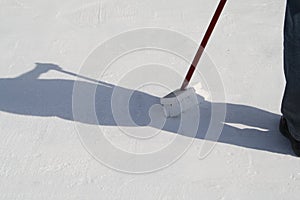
42, 157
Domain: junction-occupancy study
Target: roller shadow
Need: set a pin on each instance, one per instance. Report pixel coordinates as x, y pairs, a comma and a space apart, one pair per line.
27, 94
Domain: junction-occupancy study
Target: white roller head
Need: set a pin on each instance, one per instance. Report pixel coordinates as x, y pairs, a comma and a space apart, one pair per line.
179, 101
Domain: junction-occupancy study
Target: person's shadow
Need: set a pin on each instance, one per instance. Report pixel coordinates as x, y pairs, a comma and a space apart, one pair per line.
28, 94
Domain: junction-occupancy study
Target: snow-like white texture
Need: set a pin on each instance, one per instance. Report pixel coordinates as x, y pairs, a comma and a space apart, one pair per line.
41, 156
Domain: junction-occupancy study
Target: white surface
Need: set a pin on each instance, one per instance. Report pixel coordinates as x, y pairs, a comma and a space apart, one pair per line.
42, 157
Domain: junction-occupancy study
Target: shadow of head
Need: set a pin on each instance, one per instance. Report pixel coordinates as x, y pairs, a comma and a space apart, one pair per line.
45, 67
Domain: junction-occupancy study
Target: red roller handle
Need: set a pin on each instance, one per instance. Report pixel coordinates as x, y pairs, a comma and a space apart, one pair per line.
205, 39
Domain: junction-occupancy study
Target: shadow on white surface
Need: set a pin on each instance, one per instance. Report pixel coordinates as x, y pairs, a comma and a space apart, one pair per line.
27, 94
